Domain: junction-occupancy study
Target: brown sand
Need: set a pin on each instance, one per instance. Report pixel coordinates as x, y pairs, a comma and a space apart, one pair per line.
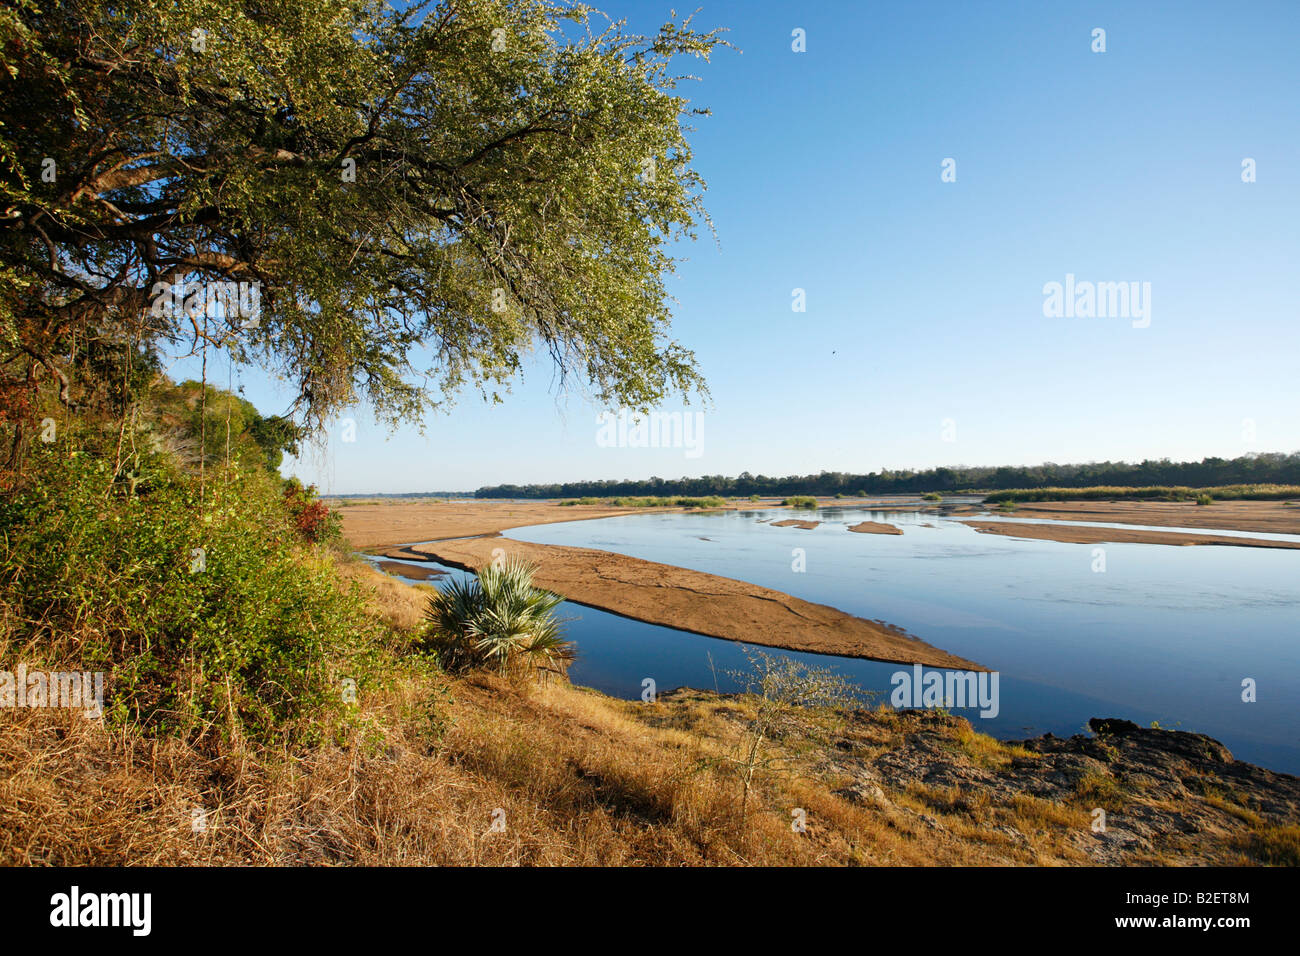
1273, 517
795, 523
369, 526
387, 523
414, 572
875, 527
697, 602
1077, 534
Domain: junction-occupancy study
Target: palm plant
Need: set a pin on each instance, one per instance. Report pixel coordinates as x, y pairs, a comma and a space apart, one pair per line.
498, 620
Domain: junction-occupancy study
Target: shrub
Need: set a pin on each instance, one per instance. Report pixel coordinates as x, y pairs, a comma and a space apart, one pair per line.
498, 620
1261, 492
203, 605
311, 517
652, 501
932, 496
1204, 500
801, 501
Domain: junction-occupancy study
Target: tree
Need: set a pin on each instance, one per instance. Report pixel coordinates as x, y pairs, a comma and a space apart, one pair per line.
420, 196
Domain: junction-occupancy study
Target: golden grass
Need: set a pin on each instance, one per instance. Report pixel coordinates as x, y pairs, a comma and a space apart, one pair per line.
478, 770
1279, 846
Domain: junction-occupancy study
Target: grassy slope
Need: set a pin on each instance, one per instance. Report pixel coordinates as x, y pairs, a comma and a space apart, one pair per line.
581, 778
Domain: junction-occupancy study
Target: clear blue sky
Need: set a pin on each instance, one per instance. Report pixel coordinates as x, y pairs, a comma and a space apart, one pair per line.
925, 298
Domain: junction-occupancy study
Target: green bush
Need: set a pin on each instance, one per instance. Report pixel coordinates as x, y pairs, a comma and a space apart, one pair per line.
801, 501
209, 612
1204, 500
497, 620
1148, 493
652, 501
932, 496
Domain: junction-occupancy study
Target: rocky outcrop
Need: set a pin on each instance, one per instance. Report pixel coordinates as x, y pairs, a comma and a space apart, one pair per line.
1167, 796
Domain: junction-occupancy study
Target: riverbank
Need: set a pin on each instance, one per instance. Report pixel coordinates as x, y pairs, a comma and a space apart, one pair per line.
1084, 534
1264, 517
475, 770
391, 523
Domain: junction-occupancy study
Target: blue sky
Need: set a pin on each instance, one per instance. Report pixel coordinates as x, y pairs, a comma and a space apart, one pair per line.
924, 341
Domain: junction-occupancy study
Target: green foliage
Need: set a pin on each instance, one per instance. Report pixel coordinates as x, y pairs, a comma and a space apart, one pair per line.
932, 496
712, 501
498, 620
208, 613
227, 426
465, 179
670, 502
801, 501
1262, 492
1248, 470
1204, 499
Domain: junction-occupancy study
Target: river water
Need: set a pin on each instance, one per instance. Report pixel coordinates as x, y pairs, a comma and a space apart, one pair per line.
1145, 632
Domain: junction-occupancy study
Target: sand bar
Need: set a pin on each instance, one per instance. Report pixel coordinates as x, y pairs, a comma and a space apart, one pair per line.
374, 525
1270, 517
698, 602
412, 571
875, 527
1080, 534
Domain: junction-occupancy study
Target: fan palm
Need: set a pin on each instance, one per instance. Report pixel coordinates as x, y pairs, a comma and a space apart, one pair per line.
498, 620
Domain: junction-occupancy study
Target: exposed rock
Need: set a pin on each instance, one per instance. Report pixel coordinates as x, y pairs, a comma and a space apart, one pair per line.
1165, 794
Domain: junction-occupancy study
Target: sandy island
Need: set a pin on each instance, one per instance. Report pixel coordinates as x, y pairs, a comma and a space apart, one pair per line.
795, 523
644, 590
875, 527
1080, 534
1272, 517
412, 571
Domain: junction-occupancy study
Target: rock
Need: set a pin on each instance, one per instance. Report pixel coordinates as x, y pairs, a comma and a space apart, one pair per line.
1114, 726
864, 793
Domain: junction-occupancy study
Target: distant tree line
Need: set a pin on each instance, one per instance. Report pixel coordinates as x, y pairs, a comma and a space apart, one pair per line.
1268, 468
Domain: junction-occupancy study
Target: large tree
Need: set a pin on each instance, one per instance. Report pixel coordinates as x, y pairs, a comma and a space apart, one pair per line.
422, 194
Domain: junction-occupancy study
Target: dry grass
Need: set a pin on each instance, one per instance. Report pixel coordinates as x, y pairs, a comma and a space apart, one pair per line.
394, 602
576, 778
